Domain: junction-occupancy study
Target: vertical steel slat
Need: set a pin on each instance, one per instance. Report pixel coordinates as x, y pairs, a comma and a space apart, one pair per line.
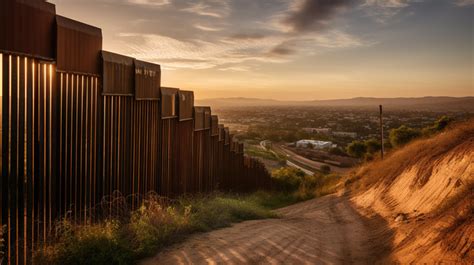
85, 155
98, 148
13, 185
80, 148
22, 181
77, 206
5, 65
72, 182
49, 110
29, 158
44, 161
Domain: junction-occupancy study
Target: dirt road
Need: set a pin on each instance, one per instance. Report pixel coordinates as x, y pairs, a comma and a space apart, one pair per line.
328, 230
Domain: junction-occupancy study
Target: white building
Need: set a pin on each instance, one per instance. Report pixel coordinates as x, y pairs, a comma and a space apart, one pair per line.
314, 144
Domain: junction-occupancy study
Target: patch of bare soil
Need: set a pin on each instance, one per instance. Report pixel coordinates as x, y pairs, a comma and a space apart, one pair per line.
329, 230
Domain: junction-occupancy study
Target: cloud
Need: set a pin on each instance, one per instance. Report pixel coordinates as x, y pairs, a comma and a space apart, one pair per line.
210, 8
225, 52
383, 10
307, 15
464, 2
282, 50
235, 69
150, 2
207, 28
247, 36
388, 3
197, 54
335, 39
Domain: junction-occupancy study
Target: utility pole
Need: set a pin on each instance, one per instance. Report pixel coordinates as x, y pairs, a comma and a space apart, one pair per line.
381, 131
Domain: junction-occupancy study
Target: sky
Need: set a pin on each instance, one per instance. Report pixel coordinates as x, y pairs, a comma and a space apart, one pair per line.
294, 49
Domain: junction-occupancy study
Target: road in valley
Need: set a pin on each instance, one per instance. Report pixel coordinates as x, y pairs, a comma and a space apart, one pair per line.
328, 230
305, 162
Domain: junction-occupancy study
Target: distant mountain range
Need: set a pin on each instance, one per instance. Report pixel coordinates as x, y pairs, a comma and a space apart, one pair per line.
423, 103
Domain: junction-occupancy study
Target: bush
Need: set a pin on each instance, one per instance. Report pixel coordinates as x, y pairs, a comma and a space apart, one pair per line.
403, 135
93, 244
326, 184
304, 187
288, 179
373, 146
357, 149
438, 126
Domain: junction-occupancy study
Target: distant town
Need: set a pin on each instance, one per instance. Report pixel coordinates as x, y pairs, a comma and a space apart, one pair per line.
321, 134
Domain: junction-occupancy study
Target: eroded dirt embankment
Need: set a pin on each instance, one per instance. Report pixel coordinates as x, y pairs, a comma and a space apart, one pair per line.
425, 191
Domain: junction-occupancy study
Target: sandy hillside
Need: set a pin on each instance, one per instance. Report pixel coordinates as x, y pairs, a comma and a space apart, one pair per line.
426, 193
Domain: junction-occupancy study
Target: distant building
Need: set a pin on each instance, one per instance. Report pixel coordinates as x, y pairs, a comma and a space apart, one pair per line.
313, 144
326, 131
345, 134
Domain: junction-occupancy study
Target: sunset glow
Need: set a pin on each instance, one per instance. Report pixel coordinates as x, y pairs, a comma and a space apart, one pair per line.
295, 49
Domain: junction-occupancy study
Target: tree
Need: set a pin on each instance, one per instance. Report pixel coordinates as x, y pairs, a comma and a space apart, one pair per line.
438, 126
442, 123
357, 149
373, 146
403, 135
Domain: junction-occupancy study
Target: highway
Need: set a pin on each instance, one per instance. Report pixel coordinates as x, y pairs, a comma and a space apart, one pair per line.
304, 162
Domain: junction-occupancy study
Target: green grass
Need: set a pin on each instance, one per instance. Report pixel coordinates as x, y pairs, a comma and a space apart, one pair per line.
154, 226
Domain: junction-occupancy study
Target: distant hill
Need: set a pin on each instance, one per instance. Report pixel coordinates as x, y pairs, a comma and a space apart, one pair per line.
424, 103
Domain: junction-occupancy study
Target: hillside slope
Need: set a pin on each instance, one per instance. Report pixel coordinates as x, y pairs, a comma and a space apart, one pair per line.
425, 191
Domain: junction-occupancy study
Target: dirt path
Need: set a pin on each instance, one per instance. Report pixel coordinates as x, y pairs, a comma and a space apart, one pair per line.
320, 231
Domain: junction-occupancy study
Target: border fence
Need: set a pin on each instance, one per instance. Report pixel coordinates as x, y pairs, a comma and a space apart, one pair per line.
79, 124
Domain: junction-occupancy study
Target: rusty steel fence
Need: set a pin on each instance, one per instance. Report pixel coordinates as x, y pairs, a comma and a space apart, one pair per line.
80, 125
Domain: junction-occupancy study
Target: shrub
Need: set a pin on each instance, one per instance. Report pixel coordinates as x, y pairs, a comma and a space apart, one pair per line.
92, 244
357, 149
373, 146
403, 135
307, 187
438, 126
288, 179
154, 224
326, 184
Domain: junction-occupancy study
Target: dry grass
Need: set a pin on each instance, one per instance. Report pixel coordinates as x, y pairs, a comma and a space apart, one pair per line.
455, 142
157, 223
2, 243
